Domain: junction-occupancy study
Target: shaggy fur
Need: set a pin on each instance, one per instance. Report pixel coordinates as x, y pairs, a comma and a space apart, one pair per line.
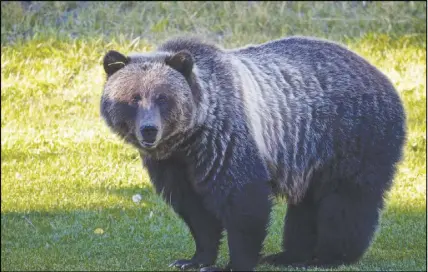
298, 117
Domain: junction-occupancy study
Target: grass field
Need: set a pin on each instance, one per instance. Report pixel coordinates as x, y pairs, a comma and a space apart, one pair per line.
67, 181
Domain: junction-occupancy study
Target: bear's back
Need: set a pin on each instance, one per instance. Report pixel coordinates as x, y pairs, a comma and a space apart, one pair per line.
308, 101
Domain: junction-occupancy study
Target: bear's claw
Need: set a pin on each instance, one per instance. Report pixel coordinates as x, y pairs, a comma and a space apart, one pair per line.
186, 264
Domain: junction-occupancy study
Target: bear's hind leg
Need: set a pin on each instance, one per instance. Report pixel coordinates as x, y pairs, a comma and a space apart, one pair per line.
299, 236
346, 222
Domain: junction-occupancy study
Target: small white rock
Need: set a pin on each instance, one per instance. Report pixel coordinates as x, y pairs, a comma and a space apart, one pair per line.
137, 198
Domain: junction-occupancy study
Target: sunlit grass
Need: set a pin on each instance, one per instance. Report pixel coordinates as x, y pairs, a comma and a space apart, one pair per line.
64, 174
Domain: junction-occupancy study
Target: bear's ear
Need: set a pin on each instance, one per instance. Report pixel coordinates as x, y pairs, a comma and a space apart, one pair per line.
114, 61
182, 62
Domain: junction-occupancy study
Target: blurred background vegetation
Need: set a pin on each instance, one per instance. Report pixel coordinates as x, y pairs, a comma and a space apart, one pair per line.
67, 181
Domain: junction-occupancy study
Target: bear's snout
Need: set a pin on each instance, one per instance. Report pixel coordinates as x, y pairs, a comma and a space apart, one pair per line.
149, 133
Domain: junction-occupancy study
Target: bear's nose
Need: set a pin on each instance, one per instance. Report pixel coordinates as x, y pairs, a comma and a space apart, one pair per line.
149, 133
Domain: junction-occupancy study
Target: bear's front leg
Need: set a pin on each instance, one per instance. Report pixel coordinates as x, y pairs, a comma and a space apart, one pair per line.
171, 182
246, 225
246, 218
204, 227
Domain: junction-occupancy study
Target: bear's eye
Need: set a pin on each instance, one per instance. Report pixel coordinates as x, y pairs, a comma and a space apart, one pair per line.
136, 98
161, 99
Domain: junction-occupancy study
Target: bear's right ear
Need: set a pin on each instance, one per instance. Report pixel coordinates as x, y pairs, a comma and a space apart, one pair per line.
114, 61
182, 62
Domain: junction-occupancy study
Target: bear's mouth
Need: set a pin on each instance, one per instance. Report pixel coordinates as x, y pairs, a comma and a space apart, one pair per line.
147, 145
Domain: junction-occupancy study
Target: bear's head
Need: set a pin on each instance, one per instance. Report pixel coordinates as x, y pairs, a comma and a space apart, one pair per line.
147, 99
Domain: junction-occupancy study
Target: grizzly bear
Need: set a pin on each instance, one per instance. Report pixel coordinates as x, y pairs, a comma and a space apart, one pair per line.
222, 131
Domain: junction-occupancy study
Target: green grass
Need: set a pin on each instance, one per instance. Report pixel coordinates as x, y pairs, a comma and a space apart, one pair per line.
64, 174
